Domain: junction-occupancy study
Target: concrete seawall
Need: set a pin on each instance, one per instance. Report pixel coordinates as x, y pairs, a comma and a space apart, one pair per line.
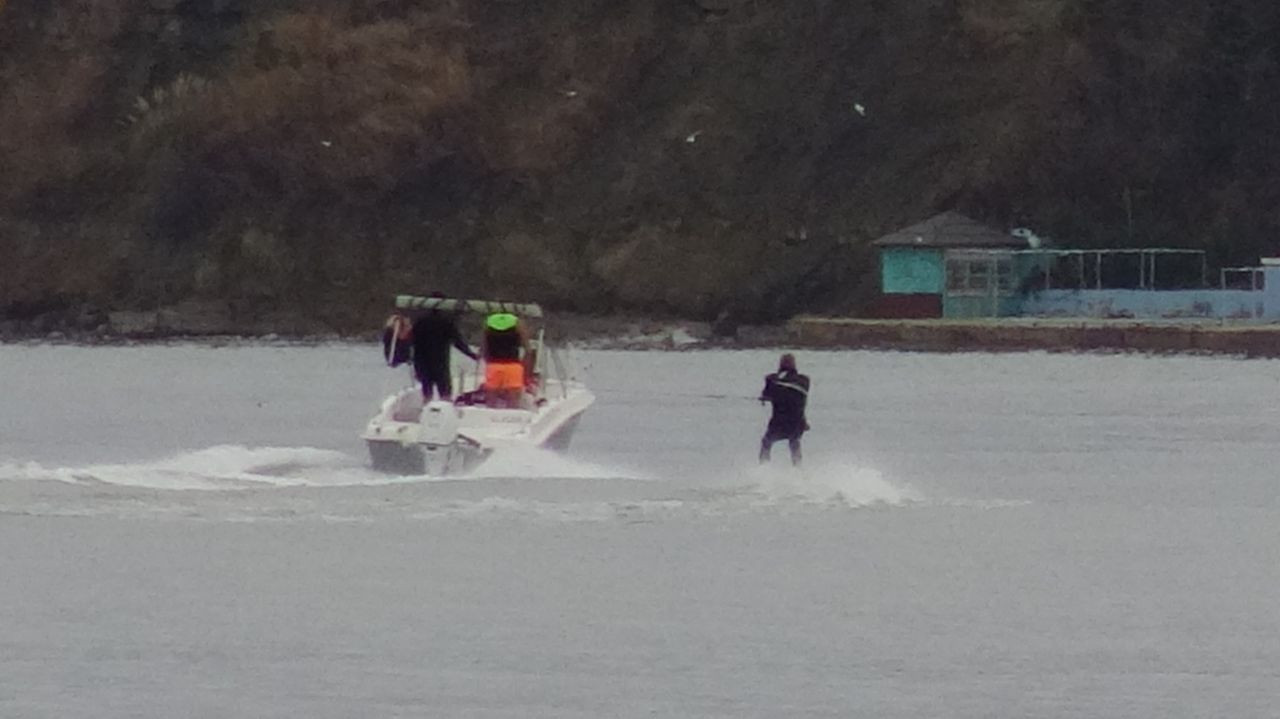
1250, 340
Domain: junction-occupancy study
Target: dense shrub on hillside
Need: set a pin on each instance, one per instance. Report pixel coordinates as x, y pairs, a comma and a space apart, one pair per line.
684, 156
325, 106
341, 111
49, 93
334, 110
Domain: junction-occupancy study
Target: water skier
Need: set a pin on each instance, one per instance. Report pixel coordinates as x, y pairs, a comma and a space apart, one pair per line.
788, 391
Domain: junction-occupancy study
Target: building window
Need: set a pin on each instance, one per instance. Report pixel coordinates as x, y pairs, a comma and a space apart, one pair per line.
979, 275
1004, 274
957, 276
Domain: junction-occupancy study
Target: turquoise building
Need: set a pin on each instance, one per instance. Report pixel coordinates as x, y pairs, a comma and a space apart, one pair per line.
952, 266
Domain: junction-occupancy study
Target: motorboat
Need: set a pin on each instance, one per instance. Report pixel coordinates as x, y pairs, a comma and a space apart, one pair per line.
412, 436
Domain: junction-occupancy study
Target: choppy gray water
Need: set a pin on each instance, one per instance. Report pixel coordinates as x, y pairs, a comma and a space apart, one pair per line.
191, 531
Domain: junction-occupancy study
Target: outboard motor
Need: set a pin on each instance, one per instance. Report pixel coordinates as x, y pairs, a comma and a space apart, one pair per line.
438, 431
438, 423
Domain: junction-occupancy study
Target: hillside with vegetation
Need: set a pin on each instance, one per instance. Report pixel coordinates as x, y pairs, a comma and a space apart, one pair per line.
667, 157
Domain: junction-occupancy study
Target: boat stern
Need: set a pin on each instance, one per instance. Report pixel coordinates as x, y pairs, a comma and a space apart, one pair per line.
426, 444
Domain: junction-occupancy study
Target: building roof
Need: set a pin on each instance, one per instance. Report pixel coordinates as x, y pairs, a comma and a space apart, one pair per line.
950, 230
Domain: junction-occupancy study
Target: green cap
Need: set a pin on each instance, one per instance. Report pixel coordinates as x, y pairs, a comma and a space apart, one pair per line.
501, 321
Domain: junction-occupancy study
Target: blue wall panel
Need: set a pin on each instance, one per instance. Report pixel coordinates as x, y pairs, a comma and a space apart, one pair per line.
909, 270
1146, 304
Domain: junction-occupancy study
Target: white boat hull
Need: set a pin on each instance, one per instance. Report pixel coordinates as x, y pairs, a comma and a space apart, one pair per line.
423, 459
443, 438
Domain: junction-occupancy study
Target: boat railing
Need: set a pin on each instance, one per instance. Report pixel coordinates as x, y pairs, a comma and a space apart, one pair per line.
561, 372
539, 367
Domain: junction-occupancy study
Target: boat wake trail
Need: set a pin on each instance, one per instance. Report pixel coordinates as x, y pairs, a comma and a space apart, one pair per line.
236, 467
238, 483
224, 467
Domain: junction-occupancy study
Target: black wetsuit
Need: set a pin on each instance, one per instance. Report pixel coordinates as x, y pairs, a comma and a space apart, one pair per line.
433, 334
788, 390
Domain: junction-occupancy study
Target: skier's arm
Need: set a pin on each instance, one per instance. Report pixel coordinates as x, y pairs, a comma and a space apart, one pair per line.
766, 394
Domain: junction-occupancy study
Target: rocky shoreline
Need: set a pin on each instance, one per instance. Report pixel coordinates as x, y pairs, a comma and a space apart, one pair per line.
216, 324
1241, 339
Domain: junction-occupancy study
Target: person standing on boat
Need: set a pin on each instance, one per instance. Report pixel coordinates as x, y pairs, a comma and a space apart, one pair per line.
433, 334
504, 372
788, 391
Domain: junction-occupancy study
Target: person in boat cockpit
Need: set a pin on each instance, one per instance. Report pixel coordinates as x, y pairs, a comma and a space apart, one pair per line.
426, 343
433, 334
788, 391
504, 371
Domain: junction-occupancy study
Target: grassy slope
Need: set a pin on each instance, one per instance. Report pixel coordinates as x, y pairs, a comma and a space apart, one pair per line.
652, 155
